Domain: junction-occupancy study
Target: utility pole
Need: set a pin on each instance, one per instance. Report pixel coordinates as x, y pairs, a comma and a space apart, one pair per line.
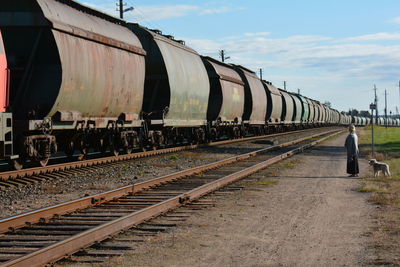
386, 119
261, 74
376, 104
120, 8
372, 107
222, 55
284, 85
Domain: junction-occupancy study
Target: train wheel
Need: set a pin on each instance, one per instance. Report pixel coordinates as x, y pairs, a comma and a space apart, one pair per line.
85, 152
128, 150
44, 162
17, 164
69, 151
115, 149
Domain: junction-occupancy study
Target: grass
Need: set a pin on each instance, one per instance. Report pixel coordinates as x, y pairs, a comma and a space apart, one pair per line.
384, 191
173, 157
387, 141
267, 183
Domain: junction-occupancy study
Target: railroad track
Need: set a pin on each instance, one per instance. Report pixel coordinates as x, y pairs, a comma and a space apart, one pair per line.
50, 234
10, 179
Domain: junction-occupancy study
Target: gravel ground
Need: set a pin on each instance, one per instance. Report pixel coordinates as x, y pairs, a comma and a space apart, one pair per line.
312, 216
30, 197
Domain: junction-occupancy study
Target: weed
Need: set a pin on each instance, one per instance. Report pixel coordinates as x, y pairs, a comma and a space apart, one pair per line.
267, 183
141, 172
173, 157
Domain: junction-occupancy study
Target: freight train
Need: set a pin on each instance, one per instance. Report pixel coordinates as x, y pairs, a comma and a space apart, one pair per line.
75, 79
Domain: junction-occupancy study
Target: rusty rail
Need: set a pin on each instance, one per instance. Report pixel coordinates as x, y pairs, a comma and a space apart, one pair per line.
92, 162
74, 243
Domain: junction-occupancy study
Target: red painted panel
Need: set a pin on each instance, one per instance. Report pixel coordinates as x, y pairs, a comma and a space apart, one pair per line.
3, 77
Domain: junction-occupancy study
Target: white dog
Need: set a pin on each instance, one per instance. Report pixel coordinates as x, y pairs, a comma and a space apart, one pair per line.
378, 167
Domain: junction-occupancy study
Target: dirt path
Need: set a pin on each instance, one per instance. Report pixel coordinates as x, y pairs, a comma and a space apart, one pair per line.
312, 217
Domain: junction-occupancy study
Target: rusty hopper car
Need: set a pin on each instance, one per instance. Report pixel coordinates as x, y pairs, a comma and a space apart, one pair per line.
274, 106
176, 88
255, 107
288, 109
306, 111
311, 117
226, 100
298, 108
76, 75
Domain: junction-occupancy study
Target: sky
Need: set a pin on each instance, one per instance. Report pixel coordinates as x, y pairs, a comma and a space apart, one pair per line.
332, 50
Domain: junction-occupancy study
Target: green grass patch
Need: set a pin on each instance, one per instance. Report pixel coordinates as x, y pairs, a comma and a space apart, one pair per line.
267, 183
173, 157
387, 140
366, 189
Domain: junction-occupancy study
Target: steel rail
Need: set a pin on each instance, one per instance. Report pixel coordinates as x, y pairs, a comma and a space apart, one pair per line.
14, 222
75, 243
4, 176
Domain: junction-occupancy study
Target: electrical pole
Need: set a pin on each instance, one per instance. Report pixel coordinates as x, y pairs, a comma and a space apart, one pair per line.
284, 85
120, 8
261, 74
222, 55
376, 104
386, 119
372, 106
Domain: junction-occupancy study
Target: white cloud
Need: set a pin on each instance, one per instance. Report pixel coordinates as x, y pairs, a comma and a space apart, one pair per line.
252, 34
154, 13
307, 53
216, 10
396, 20
382, 36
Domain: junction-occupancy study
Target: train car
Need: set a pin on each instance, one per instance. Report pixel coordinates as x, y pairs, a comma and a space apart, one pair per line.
274, 106
312, 115
226, 100
6, 137
177, 89
306, 111
321, 113
255, 107
288, 109
75, 55
298, 109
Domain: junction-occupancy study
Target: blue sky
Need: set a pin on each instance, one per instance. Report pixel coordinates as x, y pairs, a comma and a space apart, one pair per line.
331, 50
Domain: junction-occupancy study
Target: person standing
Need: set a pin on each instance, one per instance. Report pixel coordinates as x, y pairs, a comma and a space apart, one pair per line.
351, 145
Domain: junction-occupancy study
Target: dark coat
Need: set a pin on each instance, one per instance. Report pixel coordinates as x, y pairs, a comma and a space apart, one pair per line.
351, 145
